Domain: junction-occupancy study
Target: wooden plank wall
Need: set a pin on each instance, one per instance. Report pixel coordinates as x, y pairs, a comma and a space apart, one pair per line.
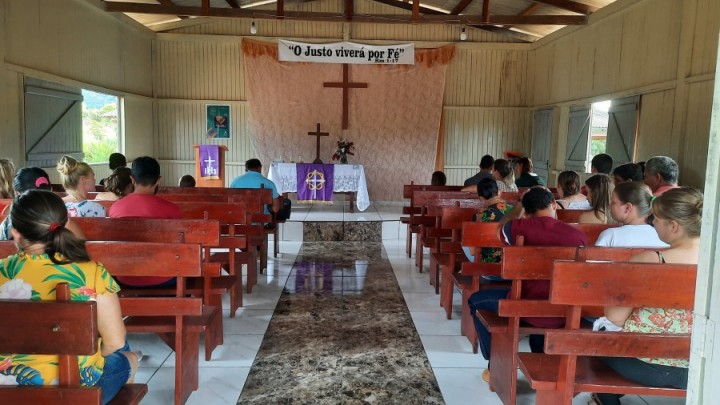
664, 50
485, 107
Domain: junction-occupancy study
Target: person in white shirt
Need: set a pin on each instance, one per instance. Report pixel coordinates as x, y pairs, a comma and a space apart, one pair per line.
630, 205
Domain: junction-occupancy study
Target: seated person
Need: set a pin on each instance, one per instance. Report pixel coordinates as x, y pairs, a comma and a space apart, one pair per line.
631, 205
143, 203
186, 181
486, 166
27, 178
254, 179
601, 163
600, 187
568, 187
78, 179
524, 176
438, 179
661, 174
118, 185
495, 209
677, 219
7, 173
628, 172
538, 228
48, 254
504, 177
115, 161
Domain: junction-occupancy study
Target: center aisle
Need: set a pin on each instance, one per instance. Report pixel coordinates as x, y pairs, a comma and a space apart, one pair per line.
341, 333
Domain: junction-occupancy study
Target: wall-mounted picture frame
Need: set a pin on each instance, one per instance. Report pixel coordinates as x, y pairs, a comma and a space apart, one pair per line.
218, 121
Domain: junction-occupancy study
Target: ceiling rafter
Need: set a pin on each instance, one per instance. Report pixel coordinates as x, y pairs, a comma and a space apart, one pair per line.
569, 5
460, 7
339, 17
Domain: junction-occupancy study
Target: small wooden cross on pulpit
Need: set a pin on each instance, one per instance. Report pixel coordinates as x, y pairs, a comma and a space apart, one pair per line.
317, 149
346, 85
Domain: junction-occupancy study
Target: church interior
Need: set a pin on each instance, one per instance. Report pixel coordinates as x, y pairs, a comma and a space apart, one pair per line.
341, 314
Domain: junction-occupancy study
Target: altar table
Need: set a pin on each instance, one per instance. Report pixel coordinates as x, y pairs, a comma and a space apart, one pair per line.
346, 178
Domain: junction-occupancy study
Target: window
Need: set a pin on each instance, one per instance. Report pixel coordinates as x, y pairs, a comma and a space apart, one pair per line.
101, 133
599, 127
605, 127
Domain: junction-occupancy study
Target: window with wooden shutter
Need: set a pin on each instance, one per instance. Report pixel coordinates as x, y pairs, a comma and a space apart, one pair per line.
576, 154
53, 122
542, 141
622, 129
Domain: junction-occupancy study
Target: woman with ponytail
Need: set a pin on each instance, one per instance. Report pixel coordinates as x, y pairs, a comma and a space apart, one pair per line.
630, 205
48, 254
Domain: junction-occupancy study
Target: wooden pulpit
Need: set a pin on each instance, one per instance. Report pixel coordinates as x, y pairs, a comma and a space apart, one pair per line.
204, 181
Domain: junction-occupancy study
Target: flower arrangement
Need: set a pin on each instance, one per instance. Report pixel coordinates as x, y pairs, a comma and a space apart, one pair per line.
344, 148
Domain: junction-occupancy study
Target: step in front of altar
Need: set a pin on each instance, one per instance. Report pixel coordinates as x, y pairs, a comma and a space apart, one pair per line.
319, 231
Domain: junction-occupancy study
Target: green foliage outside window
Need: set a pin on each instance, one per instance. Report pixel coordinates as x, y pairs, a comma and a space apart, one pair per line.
100, 126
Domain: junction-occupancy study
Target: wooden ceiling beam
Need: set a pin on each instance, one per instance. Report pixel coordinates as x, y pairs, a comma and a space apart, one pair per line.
349, 10
416, 10
280, 8
460, 7
408, 7
568, 5
439, 18
486, 11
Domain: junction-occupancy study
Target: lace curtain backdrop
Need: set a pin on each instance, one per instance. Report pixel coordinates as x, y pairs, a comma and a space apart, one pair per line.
394, 123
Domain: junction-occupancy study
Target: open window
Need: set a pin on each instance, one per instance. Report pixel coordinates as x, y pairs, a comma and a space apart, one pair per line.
604, 127
67, 120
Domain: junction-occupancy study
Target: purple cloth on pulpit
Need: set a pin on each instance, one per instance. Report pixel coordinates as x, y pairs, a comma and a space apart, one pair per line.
209, 161
315, 182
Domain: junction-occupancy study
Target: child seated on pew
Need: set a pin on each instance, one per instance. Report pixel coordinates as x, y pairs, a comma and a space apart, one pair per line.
49, 254
117, 185
78, 178
186, 181
495, 209
677, 219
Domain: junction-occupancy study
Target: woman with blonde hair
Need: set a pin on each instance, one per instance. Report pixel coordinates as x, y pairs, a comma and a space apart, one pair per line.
677, 219
600, 188
7, 174
78, 178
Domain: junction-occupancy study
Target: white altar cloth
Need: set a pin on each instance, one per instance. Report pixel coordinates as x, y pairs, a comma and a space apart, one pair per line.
346, 178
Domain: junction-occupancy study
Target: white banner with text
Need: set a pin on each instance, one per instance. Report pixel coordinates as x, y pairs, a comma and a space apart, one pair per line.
346, 52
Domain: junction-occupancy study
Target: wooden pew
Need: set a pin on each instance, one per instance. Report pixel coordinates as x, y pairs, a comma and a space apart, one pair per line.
170, 317
423, 199
476, 235
56, 327
570, 216
529, 263
443, 231
252, 197
411, 209
570, 364
203, 232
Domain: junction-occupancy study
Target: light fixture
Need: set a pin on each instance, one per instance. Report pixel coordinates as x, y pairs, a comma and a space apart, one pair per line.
253, 28
463, 34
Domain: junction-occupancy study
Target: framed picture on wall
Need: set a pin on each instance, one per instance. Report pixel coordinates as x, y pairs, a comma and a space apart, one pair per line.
218, 121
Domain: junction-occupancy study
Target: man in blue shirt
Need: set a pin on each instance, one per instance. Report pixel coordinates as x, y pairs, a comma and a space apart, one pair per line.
254, 179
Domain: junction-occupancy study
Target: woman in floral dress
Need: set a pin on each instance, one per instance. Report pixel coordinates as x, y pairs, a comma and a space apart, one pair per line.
48, 254
677, 218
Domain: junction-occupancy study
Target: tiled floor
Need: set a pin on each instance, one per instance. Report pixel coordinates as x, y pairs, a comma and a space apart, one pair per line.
456, 368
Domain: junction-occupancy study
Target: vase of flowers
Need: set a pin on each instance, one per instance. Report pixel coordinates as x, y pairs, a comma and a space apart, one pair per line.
344, 148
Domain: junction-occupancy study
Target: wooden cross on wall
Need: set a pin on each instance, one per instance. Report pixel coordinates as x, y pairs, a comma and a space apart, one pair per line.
317, 148
345, 85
